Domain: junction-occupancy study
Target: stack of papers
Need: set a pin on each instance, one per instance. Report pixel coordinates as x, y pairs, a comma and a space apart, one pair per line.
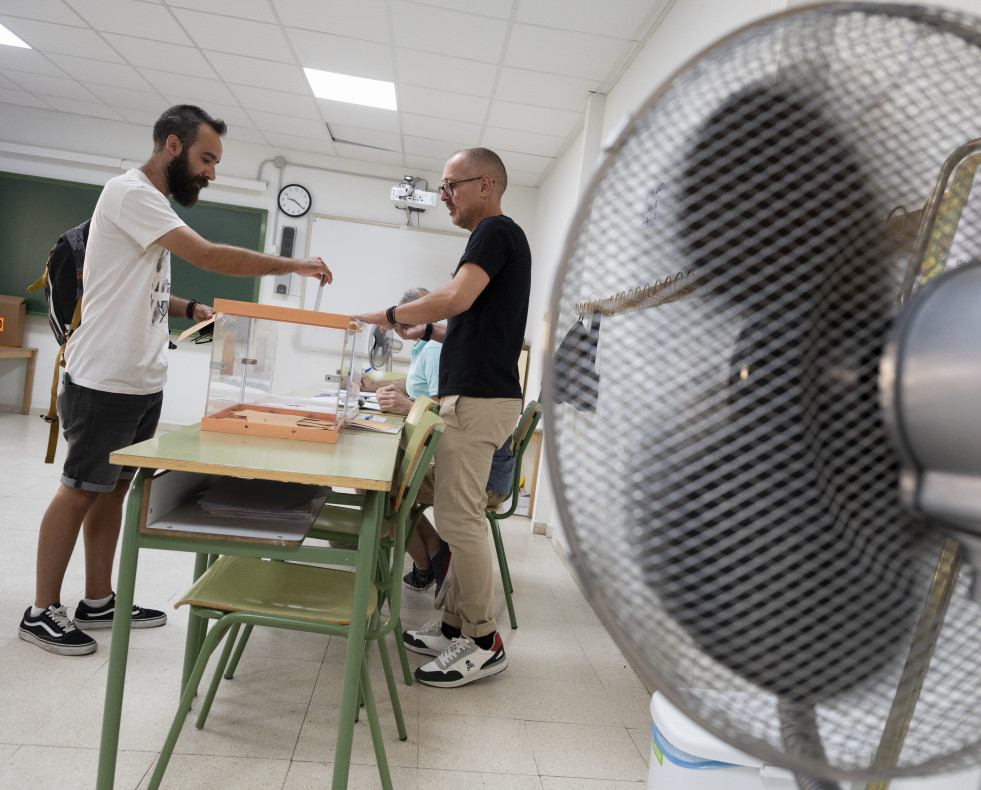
239, 498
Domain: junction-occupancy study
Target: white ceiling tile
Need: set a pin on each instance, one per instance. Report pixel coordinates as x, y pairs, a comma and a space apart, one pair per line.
29, 60
230, 34
433, 149
428, 166
511, 74
528, 118
181, 88
460, 35
452, 74
258, 10
547, 90
342, 55
245, 134
307, 144
64, 39
371, 137
615, 18
500, 9
131, 99
442, 104
44, 85
144, 118
526, 162
243, 70
49, 11
89, 109
21, 98
291, 104
284, 124
528, 142
562, 52
441, 129
374, 155
231, 114
356, 115
366, 19
161, 56
143, 20
98, 72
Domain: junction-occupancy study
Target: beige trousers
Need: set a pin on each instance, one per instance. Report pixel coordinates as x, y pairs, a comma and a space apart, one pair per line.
475, 428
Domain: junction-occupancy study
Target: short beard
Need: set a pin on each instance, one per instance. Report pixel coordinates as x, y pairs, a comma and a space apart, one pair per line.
184, 188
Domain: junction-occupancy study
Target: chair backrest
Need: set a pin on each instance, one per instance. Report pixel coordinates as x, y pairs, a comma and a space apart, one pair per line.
412, 471
519, 443
420, 406
417, 436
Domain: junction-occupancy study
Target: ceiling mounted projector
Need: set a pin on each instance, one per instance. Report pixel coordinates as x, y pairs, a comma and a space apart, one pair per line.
411, 194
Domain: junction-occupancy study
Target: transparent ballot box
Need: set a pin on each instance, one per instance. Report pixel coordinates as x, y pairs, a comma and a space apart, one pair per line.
283, 372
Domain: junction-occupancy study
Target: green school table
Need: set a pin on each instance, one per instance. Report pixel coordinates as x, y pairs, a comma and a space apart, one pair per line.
360, 459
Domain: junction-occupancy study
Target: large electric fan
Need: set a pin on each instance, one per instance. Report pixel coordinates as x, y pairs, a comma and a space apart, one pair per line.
764, 381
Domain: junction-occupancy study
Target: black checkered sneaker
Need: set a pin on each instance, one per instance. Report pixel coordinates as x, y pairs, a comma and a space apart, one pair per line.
418, 579
101, 616
52, 630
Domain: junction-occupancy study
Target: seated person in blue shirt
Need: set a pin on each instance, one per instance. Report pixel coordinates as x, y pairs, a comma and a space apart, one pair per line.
430, 554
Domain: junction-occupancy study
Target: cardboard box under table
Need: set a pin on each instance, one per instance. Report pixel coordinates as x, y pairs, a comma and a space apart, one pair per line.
283, 372
13, 313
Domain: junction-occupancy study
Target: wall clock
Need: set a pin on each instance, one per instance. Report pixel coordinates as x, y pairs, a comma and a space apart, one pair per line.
294, 200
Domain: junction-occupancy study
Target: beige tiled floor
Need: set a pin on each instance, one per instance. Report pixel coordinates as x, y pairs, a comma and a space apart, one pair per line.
568, 714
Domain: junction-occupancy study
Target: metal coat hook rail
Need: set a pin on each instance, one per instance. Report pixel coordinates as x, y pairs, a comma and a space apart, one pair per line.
667, 290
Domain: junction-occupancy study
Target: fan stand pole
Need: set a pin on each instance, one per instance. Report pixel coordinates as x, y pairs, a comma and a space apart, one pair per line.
918, 661
798, 727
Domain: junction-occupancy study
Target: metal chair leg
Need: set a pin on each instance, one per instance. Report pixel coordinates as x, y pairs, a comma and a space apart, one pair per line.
502, 561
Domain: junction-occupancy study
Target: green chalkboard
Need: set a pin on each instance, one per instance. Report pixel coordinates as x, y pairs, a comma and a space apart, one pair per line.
34, 212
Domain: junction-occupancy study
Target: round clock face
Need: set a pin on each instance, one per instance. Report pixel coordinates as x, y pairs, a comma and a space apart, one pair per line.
294, 200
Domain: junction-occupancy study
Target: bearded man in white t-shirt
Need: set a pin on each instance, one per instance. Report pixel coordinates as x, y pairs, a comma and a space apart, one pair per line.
116, 363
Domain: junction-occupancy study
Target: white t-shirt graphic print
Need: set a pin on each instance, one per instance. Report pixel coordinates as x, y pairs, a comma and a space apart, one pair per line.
121, 343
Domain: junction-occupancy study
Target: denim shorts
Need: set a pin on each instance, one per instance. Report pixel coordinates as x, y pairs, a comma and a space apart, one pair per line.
97, 423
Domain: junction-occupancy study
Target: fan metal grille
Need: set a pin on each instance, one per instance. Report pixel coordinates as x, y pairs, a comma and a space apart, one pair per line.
722, 469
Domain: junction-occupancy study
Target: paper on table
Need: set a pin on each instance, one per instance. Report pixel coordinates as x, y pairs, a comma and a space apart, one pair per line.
373, 423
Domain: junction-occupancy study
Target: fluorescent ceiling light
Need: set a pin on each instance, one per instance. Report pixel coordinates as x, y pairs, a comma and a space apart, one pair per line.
354, 90
6, 37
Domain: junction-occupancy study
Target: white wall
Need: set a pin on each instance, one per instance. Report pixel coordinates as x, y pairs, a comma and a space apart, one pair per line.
689, 26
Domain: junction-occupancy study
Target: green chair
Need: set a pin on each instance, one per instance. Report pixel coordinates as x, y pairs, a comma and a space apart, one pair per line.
340, 521
520, 440
523, 434
251, 591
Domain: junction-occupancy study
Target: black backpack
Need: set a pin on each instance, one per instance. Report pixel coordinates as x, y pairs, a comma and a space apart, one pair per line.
62, 283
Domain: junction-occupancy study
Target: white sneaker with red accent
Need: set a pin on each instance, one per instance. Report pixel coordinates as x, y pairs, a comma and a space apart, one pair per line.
463, 662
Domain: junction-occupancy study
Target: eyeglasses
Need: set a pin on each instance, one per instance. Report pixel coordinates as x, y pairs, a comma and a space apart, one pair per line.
448, 186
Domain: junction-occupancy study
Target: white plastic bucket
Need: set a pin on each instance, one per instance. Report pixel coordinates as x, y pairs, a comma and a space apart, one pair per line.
686, 757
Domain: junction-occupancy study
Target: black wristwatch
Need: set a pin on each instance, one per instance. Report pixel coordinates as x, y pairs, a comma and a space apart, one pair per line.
390, 315
429, 332
190, 308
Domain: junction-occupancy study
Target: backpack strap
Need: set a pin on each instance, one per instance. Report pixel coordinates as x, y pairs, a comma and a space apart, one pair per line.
52, 416
40, 283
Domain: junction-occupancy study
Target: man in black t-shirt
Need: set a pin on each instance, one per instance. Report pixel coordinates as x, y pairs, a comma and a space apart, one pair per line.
480, 400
